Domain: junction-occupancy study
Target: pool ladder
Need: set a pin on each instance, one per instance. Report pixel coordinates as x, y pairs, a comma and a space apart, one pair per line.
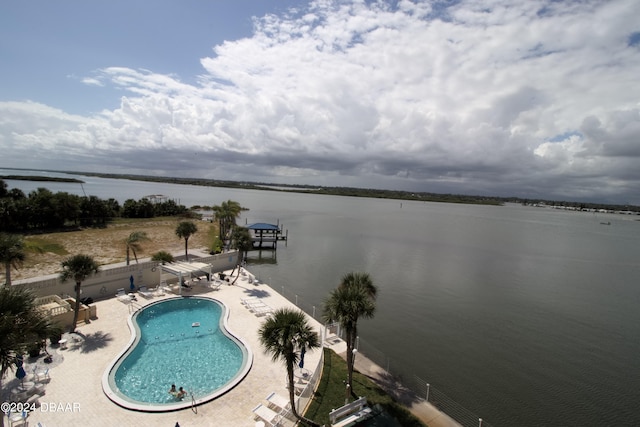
134, 306
194, 408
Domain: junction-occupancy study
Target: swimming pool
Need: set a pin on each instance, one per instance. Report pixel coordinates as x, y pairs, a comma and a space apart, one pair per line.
182, 341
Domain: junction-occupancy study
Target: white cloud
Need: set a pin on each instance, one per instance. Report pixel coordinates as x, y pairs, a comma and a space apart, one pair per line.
92, 81
464, 99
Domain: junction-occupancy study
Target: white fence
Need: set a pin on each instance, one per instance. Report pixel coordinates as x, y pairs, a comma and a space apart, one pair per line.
110, 278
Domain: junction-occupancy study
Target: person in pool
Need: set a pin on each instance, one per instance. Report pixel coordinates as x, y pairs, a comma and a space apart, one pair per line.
181, 393
173, 390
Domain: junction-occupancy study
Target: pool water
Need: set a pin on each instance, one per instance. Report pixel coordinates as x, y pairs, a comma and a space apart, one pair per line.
180, 341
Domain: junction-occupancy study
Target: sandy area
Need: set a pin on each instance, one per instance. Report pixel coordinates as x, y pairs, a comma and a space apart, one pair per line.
107, 245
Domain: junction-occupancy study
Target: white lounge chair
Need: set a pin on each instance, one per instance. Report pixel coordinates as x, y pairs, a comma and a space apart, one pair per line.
267, 415
255, 304
261, 310
142, 290
34, 399
38, 389
122, 296
247, 301
278, 401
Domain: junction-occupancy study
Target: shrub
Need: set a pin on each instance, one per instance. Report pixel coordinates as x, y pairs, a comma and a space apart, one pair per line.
55, 336
162, 256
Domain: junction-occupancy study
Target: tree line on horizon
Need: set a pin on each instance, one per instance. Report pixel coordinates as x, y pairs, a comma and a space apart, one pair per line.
364, 192
42, 209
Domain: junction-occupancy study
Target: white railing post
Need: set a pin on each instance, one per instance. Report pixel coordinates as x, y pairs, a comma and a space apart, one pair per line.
428, 387
479, 422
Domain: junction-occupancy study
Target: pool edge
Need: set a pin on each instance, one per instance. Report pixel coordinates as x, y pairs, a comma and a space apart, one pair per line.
115, 398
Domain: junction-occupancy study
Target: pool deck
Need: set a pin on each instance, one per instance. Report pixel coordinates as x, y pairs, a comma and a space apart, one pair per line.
74, 395
75, 389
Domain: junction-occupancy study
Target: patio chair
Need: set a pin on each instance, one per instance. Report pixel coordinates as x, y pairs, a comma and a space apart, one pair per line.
299, 388
41, 376
17, 419
267, 415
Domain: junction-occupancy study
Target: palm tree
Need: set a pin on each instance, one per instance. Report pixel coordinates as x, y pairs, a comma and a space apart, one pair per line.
226, 215
242, 241
184, 230
78, 268
133, 243
285, 334
21, 324
12, 253
353, 299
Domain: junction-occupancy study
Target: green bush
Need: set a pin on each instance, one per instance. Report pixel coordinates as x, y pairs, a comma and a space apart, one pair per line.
216, 248
162, 256
55, 336
34, 349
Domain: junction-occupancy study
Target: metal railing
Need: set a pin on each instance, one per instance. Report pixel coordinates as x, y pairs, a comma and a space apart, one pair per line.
421, 388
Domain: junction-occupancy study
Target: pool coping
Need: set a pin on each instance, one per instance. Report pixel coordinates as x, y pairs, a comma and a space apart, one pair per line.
140, 406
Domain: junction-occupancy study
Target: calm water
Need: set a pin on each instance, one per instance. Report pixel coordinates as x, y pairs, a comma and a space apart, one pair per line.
171, 351
525, 316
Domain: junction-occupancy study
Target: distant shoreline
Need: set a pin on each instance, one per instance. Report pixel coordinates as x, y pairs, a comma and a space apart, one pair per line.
342, 191
40, 178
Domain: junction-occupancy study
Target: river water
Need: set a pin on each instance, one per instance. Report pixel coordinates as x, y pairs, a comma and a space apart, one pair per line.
525, 316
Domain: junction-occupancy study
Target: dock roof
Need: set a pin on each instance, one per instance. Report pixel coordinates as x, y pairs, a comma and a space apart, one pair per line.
263, 226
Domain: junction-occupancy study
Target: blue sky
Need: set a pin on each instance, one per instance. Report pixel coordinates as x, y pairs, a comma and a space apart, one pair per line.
531, 99
49, 47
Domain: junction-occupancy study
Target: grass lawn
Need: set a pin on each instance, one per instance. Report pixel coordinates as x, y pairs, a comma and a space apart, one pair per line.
331, 393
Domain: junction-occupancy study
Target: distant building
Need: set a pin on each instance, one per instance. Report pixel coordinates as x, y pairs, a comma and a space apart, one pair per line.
156, 198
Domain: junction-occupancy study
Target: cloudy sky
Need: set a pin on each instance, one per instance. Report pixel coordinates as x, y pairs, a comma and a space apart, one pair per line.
534, 98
